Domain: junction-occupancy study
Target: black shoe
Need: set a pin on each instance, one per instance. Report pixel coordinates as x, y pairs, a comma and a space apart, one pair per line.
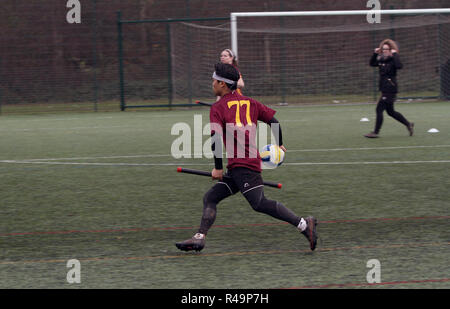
371, 135
195, 243
310, 232
411, 128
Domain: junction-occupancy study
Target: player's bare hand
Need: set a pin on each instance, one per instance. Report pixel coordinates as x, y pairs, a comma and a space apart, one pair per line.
217, 174
393, 51
283, 148
377, 50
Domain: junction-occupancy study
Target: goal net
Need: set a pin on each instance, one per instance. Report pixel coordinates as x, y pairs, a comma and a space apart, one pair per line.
308, 59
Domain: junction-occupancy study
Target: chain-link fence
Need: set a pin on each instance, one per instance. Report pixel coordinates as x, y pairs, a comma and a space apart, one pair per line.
48, 64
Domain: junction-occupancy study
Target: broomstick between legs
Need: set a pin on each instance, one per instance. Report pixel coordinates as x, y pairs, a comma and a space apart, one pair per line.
203, 173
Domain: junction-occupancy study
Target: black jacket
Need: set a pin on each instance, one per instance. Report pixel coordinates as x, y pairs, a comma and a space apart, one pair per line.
388, 72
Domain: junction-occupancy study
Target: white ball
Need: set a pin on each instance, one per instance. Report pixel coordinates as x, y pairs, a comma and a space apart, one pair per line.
272, 156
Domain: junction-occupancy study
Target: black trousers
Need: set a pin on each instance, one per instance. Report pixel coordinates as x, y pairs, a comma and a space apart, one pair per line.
250, 184
386, 103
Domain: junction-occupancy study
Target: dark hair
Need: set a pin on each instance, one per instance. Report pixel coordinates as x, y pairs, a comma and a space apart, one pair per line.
229, 72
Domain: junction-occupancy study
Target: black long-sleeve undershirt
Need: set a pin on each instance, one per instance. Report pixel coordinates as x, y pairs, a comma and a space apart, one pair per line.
276, 132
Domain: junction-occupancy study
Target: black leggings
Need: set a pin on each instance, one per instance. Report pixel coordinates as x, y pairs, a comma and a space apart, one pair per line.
253, 191
386, 102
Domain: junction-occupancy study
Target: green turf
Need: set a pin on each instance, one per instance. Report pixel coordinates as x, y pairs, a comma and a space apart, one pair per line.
93, 187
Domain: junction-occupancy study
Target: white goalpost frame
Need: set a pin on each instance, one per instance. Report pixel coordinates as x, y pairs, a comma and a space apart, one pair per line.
234, 16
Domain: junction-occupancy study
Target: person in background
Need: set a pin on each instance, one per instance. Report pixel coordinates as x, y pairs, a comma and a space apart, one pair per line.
228, 57
386, 58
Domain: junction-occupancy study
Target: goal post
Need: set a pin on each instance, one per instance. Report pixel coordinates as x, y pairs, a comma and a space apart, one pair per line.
327, 70
235, 15
284, 57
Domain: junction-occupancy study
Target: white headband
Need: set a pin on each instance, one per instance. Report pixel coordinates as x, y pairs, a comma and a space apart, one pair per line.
230, 52
223, 79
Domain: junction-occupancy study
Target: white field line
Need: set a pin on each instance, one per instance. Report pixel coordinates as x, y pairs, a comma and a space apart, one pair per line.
340, 104
65, 119
102, 164
67, 129
201, 164
367, 148
105, 157
366, 163
324, 111
169, 155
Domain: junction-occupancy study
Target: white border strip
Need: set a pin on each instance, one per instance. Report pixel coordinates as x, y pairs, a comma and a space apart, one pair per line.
221, 182
259, 186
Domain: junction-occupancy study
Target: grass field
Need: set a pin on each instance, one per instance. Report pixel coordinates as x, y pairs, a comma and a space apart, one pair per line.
102, 188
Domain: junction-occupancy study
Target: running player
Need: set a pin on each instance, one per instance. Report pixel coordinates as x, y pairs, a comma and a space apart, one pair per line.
234, 119
386, 58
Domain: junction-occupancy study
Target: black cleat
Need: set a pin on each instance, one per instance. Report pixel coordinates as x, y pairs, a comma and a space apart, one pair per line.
195, 243
371, 135
310, 232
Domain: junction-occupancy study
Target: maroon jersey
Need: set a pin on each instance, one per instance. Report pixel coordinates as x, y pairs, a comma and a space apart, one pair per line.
235, 117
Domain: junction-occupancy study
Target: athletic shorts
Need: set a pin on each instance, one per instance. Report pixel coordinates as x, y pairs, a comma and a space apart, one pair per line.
242, 179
